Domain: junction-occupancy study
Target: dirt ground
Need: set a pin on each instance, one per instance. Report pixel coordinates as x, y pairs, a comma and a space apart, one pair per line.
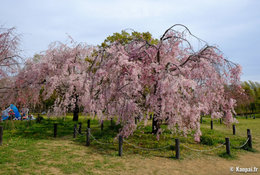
140, 165
218, 166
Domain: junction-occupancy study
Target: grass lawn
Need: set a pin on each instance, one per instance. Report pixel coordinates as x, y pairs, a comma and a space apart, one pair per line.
29, 148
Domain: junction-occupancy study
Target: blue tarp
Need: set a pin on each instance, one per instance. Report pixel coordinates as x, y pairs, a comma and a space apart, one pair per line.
5, 114
16, 112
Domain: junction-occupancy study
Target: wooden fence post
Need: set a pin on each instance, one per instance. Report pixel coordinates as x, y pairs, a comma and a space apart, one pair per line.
102, 125
75, 131
153, 125
120, 149
249, 141
88, 123
80, 124
1, 134
234, 129
55, 130
88, 137
211, 124
177, 148
248, 132
227, 146
111, 122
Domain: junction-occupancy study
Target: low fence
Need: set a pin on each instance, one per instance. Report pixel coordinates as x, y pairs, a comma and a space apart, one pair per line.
176, 146
227, 144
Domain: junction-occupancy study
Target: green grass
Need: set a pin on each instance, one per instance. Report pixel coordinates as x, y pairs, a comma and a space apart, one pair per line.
29, 147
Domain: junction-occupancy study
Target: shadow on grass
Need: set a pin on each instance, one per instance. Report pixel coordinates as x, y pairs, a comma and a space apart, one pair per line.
227, 156
44, 130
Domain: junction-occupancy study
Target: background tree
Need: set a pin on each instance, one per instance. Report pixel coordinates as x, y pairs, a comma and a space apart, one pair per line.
249, 102
9, 58
55, 78
9, 52
69, 67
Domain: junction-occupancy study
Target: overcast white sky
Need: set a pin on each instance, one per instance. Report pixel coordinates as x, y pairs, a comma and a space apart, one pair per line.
233, 25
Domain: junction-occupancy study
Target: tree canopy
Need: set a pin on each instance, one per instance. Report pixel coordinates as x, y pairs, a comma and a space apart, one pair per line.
131, 75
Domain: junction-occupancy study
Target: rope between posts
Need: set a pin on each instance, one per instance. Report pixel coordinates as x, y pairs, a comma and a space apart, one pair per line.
239, 147
99, 141
96, 127
203, 150
79, 133
148, 149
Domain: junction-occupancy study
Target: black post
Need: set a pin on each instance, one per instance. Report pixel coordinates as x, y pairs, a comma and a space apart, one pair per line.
201, 119
177, 148
153, 125
249, 141
220, 120
75, 131
80, 124
88, 123
135, 120
88, 137
227, 146
102, 125
111, 122
248, 132
234, 129
120, 141
211, 124
1, 134
55, 129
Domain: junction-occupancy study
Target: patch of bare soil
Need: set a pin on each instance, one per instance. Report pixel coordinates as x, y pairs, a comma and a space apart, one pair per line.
201, 166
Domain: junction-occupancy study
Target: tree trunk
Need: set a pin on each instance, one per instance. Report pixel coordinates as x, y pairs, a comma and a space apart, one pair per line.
76, 110
76, 113
155, 125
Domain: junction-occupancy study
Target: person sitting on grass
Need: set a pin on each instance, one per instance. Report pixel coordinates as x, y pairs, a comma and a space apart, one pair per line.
11, 114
